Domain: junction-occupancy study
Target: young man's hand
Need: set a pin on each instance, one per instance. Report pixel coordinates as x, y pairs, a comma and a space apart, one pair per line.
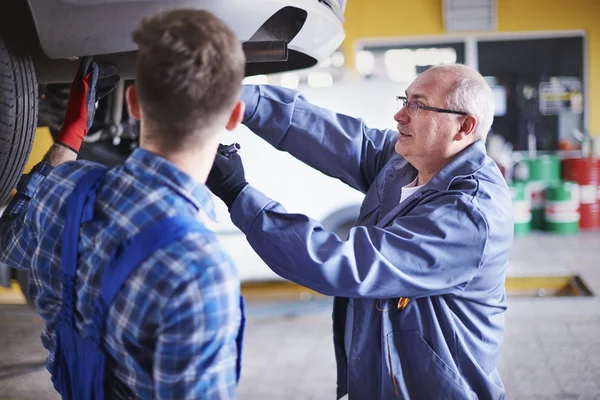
227, 178
91, 83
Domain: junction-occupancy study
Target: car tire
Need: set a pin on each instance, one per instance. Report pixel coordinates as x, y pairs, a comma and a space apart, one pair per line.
18, 108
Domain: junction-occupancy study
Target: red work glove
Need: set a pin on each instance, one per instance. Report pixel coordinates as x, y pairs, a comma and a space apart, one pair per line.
91, 83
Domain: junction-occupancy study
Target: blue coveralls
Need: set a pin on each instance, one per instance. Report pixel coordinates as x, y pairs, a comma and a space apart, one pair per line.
79, 371
446, 247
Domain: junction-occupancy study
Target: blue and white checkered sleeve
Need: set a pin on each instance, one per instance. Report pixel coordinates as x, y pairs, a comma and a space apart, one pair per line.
196, 352
16, 233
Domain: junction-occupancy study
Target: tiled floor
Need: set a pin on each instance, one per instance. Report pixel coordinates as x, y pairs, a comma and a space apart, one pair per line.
551, 350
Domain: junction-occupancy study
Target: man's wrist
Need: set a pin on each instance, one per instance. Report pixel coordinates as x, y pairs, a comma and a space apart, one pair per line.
60, 153
234, 194
63, 144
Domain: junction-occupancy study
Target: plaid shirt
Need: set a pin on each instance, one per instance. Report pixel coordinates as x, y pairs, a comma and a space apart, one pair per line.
171, 330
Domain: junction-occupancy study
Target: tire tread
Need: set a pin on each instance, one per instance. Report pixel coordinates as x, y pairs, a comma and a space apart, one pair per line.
18, 111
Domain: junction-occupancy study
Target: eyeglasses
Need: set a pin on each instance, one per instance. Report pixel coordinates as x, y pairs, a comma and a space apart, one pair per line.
413, 107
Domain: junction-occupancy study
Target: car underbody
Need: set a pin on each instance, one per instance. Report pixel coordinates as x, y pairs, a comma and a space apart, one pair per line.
42, 40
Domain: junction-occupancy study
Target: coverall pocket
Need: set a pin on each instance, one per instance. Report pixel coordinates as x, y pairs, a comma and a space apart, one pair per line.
417, 371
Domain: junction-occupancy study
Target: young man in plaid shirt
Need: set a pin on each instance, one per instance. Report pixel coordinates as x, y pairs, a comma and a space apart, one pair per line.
171, 331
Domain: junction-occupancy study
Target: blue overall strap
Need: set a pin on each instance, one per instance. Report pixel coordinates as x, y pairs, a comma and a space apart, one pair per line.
130, 255
70, 240
239, 340
78, 369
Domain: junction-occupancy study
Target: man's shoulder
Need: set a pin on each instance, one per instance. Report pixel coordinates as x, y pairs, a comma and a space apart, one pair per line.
492, 188
58, 184
64, 177
72, 171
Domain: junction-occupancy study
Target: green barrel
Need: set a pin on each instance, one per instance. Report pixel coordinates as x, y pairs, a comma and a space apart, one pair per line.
521, 205
560, 207
542, 171
536, 190
544, 168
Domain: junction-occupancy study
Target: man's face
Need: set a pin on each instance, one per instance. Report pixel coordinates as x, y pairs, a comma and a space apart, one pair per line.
426, 136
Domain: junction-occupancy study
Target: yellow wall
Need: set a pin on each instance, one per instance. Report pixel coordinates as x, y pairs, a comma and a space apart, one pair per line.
41, 144
374, 18
398, 18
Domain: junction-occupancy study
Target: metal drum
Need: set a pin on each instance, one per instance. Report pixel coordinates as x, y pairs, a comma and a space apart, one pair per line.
543, 171
544, 168
560, 207
521, 205
586, 172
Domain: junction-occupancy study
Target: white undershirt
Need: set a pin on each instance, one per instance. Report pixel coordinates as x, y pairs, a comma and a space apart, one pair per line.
409, 189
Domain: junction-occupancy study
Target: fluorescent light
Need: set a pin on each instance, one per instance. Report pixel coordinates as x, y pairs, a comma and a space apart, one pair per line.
365, 62
447, 55
320, 79
337, 59
290, 80
400, 65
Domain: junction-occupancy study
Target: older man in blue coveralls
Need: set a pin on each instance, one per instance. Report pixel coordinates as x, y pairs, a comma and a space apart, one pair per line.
419, 282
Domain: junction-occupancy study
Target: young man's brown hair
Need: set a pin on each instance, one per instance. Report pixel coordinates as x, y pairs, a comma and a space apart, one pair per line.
189, 73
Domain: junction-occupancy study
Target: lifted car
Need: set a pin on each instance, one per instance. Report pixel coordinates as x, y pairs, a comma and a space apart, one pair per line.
41, 40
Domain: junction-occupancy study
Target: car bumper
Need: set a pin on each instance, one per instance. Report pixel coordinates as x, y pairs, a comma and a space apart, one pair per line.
103, 27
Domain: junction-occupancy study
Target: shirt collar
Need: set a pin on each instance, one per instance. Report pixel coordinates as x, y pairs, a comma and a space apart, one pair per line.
144, 164
465, 163
411, 185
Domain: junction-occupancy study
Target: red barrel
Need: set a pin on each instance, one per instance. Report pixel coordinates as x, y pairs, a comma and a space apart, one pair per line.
586, 172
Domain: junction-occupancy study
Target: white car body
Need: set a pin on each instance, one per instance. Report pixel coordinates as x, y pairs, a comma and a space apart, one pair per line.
103, 27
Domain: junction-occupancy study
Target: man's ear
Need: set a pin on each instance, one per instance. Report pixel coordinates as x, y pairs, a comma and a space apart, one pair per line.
466, 128
235, 119
133, 104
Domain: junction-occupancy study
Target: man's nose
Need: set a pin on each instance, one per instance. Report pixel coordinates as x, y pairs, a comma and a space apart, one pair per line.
401, 115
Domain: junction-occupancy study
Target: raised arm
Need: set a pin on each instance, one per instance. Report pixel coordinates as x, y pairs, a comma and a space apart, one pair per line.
17, 235
335, 144
419, 254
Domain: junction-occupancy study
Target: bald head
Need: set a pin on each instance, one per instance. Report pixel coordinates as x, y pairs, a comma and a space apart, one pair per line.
467, 91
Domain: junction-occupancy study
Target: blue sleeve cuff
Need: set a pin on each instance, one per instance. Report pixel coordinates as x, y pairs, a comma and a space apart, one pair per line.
29, 183
249, 96
246, 207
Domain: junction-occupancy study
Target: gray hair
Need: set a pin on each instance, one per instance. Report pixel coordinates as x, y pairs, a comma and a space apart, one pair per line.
472, 94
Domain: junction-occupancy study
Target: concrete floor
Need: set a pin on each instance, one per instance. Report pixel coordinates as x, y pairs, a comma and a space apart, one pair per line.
551, 350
